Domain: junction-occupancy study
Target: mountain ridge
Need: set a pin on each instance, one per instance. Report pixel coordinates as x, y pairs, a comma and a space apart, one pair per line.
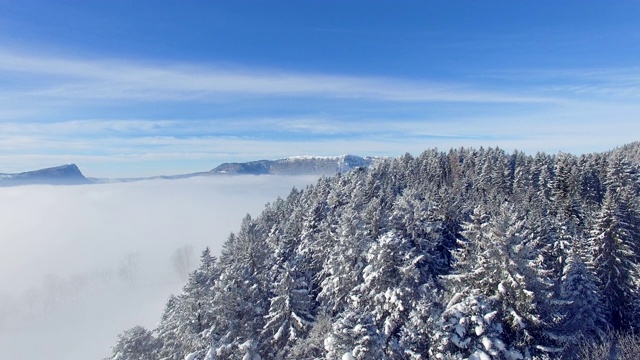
68, 174
298, 165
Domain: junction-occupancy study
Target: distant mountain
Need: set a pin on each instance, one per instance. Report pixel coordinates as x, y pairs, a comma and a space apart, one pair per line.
59, 175
299, 165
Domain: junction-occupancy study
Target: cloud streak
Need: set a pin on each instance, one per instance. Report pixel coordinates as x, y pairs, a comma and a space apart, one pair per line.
106, 80
615, 84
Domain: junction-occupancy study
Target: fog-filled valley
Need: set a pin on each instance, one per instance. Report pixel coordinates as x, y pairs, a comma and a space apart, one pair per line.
81, 263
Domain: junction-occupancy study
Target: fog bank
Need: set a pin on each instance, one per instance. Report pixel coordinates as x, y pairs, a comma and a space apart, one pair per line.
80, 264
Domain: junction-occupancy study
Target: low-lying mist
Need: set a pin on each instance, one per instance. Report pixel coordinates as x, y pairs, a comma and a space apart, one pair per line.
79, 264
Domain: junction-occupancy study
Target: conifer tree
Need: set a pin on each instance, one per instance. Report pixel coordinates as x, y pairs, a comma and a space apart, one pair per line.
583, 315
290, 312
615, 262
240, 293
495, 262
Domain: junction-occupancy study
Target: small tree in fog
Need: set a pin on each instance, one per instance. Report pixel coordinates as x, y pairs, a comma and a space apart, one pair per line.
53, 287
182, 260
78, 284
128, 270
8, 310
103, 277
31, 298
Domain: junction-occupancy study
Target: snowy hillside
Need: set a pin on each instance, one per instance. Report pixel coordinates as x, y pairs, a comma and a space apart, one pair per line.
466, 254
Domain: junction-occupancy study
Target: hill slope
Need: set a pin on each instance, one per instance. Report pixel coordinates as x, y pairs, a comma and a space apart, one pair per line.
59, 175
471, 253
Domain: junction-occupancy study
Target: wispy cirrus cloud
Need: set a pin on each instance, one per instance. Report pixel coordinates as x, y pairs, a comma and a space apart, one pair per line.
614, 84
96, 79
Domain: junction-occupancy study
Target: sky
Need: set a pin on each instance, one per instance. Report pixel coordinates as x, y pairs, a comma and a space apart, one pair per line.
155, 87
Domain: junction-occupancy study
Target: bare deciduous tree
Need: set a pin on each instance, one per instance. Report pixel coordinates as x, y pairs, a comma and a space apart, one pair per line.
31, 298
104, 277
78, 284
182, 260
129, 268
53, 286
8, 310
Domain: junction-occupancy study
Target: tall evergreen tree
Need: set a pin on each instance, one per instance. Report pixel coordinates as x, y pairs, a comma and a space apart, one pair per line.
241, 296
188, 317
495, 261
615, 262
290, 312
583, 316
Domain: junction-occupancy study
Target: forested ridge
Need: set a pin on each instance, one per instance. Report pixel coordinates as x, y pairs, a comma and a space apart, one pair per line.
470, 253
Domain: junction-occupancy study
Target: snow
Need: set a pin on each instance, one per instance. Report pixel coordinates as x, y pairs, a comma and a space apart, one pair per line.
479, 355
486, 342
499, 344
313, 157
513, 355
488, 318
348, 356
210, 354
501, 288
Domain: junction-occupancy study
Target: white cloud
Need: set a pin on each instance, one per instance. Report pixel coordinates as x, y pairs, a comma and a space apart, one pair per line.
90, 79
614, 84
125, 148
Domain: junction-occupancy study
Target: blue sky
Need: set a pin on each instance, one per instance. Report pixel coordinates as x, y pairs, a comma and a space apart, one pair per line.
137, 88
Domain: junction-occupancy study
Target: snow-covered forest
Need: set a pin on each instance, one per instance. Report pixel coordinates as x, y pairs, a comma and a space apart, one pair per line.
463, 254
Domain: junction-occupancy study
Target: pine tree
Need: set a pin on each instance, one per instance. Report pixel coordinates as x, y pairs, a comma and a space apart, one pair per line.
356, 335
290, 312
615, 262
391, 280
136, 343
471, 328
313, 346
495, 261
188, 316
240, 293
344, 251
583, 315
